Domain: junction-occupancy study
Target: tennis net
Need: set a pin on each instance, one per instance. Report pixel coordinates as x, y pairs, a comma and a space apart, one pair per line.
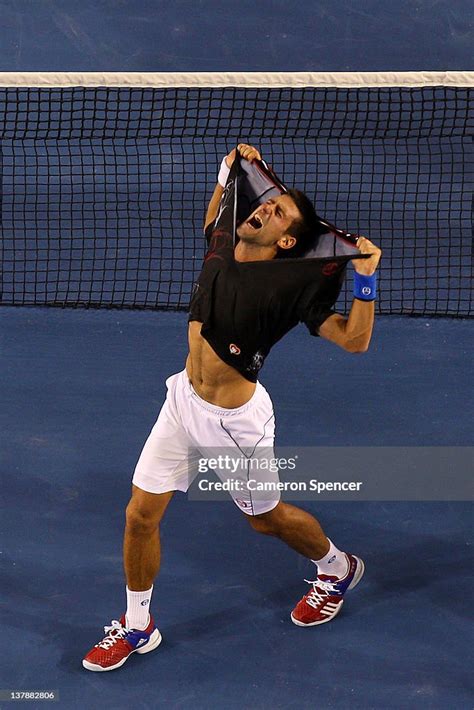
105, 179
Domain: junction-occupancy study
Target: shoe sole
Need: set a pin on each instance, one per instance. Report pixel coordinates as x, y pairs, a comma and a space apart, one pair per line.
357, 577
155, 640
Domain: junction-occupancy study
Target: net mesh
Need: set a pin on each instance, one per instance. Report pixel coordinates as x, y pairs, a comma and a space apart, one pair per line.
104, 190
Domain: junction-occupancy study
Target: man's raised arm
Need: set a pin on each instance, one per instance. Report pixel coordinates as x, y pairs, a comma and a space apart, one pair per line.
353, 333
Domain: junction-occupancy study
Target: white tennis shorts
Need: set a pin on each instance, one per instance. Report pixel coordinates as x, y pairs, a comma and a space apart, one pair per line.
189, 428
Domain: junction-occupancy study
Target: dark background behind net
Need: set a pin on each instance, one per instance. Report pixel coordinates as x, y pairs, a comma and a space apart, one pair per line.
104, 190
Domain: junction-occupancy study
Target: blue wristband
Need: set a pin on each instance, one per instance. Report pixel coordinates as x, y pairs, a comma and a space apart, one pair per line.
365, 287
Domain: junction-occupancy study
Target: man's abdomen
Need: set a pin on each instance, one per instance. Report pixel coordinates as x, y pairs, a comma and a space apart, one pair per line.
214, 380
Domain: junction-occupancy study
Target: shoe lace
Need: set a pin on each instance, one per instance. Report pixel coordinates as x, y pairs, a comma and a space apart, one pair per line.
113, 633
321, 591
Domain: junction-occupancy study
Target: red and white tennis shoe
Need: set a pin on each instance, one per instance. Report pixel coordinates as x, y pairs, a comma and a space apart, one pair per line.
119, 643
326, 597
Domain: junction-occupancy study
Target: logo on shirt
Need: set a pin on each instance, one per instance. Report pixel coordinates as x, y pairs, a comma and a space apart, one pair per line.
234, 349
256, 362
330, 268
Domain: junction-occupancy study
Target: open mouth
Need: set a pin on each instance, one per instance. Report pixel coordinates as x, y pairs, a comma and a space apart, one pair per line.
255, 222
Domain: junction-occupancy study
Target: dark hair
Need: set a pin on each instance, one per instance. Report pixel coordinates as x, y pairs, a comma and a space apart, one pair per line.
306, 230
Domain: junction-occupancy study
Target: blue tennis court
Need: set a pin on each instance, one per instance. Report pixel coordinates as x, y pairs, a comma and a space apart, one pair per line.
81, 390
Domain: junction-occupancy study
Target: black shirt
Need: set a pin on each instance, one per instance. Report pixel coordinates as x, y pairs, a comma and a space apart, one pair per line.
246, 307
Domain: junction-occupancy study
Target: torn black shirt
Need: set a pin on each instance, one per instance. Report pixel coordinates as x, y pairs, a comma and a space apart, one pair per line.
246, 307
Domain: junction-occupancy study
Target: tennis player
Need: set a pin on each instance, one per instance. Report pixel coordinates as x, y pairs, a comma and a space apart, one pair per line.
217, 401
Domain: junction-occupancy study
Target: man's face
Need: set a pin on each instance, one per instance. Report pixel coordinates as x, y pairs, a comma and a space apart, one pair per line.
270, 222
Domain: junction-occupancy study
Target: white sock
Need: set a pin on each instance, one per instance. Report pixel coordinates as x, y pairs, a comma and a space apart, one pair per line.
138, 605
334, 563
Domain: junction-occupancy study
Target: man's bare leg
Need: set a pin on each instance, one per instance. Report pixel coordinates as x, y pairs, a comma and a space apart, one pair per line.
337, 571
141, 545
141, 551
300, 530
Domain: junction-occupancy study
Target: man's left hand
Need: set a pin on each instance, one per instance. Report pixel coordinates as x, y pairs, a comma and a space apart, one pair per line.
367, 266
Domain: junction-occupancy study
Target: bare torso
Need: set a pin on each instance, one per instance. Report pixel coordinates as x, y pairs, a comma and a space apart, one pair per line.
211, 378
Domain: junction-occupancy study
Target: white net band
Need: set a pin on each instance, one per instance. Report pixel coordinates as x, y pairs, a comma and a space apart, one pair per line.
238, 79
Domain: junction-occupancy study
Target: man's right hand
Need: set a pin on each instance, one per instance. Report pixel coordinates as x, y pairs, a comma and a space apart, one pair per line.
248, 152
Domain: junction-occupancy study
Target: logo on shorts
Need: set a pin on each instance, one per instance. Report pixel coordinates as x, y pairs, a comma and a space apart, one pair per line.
234, 349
